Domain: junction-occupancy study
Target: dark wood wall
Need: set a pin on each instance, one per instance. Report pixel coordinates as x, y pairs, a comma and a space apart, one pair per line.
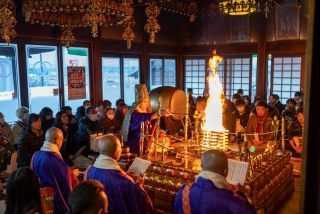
177, 38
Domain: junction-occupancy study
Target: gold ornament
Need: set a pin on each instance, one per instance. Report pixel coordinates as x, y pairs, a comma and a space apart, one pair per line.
67, 36
152, 26
7, 20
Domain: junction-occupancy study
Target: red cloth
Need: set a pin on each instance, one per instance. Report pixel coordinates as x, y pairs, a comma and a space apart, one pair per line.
261, 120
186, 199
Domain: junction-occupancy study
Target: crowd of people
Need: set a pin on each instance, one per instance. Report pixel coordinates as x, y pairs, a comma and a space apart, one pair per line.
47, 148
259, 119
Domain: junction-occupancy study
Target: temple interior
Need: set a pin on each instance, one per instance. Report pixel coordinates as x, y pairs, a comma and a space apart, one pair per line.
169, 106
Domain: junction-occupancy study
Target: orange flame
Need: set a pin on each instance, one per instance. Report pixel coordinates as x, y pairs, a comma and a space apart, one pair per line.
213, 112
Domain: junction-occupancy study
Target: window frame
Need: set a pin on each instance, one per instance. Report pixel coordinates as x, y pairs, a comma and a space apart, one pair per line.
206, 61
284, 55
122, 57
162, 58
225, 66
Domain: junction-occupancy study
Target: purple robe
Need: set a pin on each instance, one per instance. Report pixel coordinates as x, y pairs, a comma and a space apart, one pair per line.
205, 198
135, 130
54, 172
124, 196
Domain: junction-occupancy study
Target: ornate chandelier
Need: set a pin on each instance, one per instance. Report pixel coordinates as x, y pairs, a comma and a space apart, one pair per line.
238, 7
7, 20
244, 7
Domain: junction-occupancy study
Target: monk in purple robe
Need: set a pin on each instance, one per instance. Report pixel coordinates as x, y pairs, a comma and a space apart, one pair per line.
53, 172
211, 193
124, 194
139, 112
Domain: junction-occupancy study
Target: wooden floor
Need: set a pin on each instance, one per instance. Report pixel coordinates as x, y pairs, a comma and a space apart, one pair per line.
291, 206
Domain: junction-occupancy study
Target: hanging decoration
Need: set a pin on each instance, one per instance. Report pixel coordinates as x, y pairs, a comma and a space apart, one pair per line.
67, 37
95, 16
7, 20
152, 26
128, 22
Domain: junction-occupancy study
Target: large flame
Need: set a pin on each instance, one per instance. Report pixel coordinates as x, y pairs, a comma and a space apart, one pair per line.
213, 112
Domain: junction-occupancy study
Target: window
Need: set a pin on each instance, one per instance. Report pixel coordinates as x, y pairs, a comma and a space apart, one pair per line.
119, 76
285, 76
76, 57
9, 81
43, 78
195, 75
238, 75
111, 86
131, 70
162, 73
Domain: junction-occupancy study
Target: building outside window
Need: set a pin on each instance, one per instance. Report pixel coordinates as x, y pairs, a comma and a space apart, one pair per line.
119, 76
162, 72
9, 81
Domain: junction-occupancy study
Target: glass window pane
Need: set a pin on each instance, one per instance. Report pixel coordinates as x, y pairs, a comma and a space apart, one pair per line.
111, 85
155, 73
169, 72
9, 82
131, 70
197, 79
43, 82
76, 59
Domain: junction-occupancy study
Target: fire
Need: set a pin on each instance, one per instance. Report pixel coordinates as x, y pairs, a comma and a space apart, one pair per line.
213, 112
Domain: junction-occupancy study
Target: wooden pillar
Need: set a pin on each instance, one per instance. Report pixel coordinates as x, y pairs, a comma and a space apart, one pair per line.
311, 144
23, 73
96, 70
180, 68
145, 75
261, 77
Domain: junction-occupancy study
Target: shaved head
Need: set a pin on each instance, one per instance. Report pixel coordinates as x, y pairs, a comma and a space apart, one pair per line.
110, 145
53, 133
215, 161
55, 136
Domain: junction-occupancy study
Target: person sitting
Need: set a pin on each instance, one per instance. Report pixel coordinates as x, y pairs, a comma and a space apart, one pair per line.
228, 119
124, 195
23, 192
46, 117
274, 101
260, 123
118, 101
17, 128
290, 112
247, 100
240, 92
296, 134
108, 124
30, 141
211, 192
88, 198
72, 118
298, 97
53, 172
192, 101
81, 110
69, 147
201, 106
119, 114
6, 137
241, 115
88, 126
